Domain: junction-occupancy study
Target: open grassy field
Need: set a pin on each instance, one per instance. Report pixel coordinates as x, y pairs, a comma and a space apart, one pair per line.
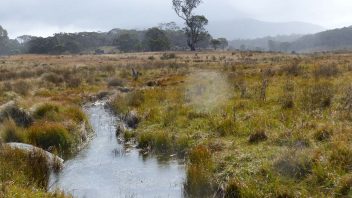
248, 124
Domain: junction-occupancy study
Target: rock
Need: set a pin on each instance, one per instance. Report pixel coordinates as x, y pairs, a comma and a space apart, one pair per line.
10, 110
53, 160
120, 129
124, 89
131, 119
102, 95
152, 83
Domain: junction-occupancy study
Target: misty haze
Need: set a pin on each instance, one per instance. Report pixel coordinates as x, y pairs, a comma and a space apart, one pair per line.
175, 98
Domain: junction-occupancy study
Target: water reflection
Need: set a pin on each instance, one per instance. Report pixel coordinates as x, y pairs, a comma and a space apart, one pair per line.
107, 169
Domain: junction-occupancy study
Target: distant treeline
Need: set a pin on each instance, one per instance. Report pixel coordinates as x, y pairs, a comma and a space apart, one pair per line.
331, 40
165, 37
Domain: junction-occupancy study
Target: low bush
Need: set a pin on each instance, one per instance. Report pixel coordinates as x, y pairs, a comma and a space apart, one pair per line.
323, 134
23, 168
12, 111
11, 133
52, 77
128, 135
46, 110
341, 156
135, 98
76, 114
49, 136
286, 100
293, 69
183, 143
115, 83
345, 187
328, 70
73, 82
296, 165
199, 181
258, 136
224, 127
122, 104
21, 87
158, 141
317, 96
167, 56
233, 190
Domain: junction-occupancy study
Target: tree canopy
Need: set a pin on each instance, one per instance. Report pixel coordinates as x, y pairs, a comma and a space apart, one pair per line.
195, 24
156, 40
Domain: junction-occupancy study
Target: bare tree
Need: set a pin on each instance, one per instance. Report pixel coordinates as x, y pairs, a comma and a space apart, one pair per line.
195, 24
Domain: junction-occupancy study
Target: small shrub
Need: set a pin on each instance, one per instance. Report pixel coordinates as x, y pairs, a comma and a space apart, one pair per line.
199, 171
323, 134
200, 155
73, 82
76, 114
52, 77
11, 133
122, 104
159, 141
317, 96
182, 144
294, 69
46, 110
24, 168
294, 165
49, 136
346, 101
257, 137
341, 156
326, 71
225, 127
135, 99
167, 56
115, 83
345, 187
21, 87
287, 99
18, 115
129, 135
233, 190
119, 104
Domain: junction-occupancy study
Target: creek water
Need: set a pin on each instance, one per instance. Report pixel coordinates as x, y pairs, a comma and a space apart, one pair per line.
106, 169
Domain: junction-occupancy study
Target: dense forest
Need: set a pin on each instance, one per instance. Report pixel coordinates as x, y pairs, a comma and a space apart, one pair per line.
164, 37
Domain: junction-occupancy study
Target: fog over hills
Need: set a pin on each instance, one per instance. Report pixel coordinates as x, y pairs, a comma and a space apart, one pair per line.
248, 28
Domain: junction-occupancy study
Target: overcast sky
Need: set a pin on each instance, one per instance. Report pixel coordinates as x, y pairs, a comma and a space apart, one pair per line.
45, 17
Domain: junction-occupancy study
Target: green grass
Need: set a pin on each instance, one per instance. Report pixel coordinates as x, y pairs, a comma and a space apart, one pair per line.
50, 136
24, 174
290, 138
10, 132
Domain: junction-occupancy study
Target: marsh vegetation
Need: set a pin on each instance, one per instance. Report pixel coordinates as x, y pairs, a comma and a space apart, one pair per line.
248, 124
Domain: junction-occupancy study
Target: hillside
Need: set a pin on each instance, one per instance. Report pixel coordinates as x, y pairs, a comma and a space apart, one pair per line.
252, 28
331, 40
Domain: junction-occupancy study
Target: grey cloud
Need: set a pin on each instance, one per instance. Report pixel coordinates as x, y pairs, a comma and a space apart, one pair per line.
44, 17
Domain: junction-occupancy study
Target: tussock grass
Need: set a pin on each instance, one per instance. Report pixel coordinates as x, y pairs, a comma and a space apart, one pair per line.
50, 136
24, 174
220, 100
47, 110
10, 132
199, 172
